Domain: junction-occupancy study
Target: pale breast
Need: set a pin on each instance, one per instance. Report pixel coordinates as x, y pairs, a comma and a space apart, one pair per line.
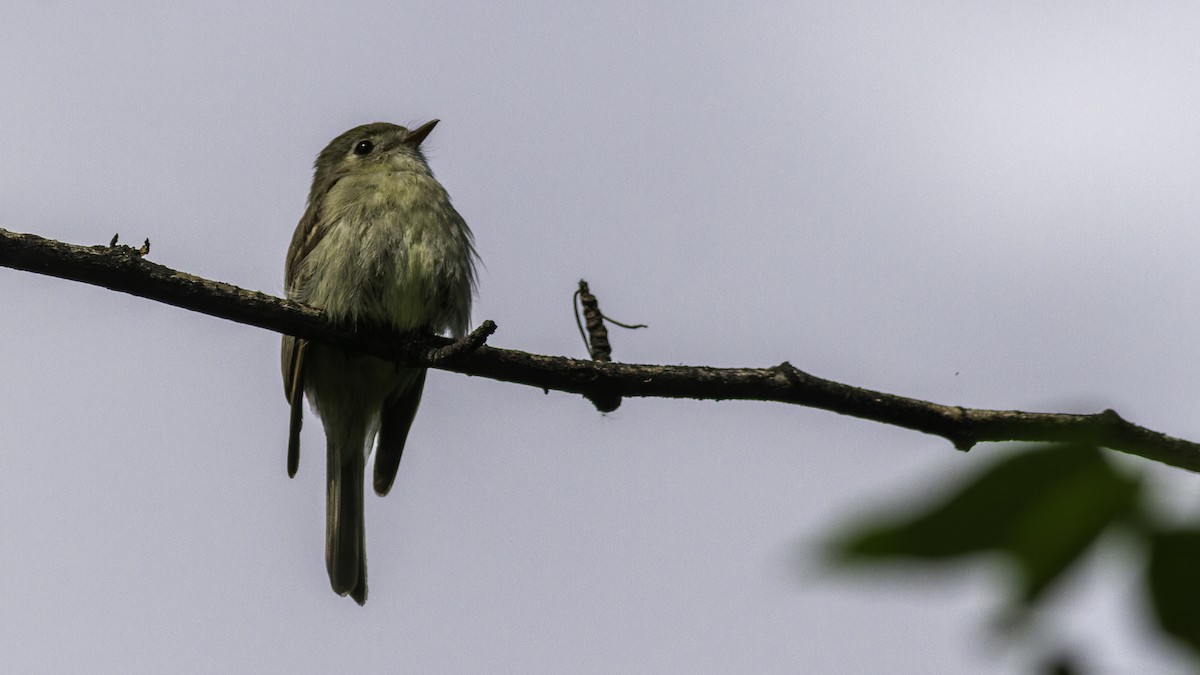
396, 252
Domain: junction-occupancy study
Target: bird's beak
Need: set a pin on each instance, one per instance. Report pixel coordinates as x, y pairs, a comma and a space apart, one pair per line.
417, 135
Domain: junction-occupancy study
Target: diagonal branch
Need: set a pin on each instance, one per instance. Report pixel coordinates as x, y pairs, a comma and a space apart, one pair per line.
122, 268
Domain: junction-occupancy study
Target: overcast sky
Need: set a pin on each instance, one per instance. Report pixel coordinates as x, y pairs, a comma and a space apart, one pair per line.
985, 204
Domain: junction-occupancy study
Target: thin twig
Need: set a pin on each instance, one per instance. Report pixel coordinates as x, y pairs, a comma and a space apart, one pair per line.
464, 345
122, 270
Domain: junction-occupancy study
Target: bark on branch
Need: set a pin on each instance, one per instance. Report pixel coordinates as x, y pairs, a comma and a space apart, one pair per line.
122, 268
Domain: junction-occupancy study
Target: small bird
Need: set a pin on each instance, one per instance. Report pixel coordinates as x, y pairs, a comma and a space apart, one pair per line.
379, 247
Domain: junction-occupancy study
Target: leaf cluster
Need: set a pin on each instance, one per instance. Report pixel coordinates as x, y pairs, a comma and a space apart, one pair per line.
1040, 510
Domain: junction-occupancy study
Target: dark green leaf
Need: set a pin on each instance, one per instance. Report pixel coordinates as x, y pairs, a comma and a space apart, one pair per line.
1058, 525
1174, 579
1040, 509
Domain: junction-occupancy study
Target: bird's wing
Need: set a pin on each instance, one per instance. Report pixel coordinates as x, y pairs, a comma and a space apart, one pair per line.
398, 412
293, 388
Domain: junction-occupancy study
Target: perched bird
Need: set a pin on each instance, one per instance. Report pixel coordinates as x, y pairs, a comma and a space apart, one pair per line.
379, 246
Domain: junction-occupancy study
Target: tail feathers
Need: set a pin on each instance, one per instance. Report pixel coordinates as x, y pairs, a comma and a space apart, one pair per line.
345, 534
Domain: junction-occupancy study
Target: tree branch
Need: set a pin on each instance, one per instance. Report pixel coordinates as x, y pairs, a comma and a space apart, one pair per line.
122, 268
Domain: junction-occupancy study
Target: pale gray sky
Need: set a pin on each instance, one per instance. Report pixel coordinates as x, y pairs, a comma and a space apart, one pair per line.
977, 203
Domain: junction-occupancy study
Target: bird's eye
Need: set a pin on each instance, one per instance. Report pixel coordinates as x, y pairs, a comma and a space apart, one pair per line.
363, 148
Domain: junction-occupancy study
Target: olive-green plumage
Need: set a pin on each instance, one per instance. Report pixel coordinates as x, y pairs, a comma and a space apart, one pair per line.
380, 245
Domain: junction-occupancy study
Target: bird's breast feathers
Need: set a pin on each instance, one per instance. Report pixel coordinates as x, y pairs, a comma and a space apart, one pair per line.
394, 250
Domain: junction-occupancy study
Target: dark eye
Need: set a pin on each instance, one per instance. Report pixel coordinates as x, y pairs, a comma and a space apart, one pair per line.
362, 148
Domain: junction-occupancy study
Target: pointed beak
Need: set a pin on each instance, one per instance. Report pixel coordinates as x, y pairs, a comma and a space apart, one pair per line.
417, 135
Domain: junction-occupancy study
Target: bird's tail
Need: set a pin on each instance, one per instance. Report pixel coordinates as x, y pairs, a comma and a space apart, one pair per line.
345, 534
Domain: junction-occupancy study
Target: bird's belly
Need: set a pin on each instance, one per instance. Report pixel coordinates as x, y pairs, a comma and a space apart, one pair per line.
381, 273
